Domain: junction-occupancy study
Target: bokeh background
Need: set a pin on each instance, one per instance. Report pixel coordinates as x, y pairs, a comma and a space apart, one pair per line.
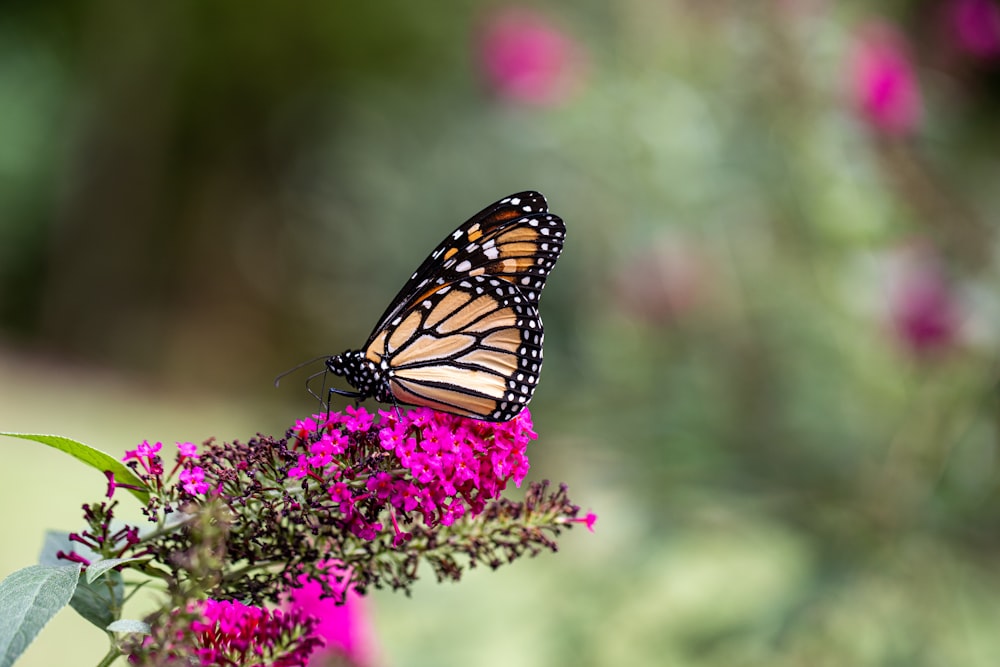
772, 350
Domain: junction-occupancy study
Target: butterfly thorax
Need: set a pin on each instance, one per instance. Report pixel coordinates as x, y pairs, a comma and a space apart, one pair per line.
360, 372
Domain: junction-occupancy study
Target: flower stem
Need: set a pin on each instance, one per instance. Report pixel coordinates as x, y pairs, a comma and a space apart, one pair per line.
111, 656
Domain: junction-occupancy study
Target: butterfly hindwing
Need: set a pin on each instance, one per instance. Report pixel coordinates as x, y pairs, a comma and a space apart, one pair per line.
515, 239
471, 347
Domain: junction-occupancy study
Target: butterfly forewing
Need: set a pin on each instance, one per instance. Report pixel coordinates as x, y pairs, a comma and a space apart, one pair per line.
471, 347
515, 239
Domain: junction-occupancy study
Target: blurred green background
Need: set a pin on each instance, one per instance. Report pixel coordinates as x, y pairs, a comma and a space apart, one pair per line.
771, 361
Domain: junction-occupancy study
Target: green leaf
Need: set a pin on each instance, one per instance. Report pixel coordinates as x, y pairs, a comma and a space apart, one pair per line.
95, 570
99, 602
95, 600
130, 625
29, 598
92, 457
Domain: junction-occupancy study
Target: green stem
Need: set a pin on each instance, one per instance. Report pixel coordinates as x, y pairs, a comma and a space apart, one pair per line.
111, 656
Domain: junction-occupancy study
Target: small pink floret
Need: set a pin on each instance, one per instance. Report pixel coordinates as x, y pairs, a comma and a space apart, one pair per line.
188, 449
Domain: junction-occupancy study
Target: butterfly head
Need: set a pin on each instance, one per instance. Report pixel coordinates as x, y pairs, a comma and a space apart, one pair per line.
359, 372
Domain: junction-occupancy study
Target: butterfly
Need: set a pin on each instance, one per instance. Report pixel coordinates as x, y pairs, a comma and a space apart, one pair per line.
464, 335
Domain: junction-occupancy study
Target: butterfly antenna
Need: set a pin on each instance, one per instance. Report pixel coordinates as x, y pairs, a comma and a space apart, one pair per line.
291, 370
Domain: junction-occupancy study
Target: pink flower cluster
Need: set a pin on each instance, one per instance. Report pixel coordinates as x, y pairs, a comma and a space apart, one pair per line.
214, 632
435, 464
146, 461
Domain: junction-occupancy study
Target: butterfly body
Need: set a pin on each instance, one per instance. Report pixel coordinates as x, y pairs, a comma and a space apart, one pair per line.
464, 335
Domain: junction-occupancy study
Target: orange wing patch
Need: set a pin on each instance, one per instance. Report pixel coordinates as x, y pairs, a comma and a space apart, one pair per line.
449, 304
501, 363
505, 339
483, 382
518, 235
448, 400
404, 331
467, 314
432, 347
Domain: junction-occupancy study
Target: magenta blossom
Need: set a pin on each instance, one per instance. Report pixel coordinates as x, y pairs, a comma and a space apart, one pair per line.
923, 306
527, 59
147, 456
884, 85
188, 449
974, 26
429, 464
193, 481
344, 626
228, 633
588, 521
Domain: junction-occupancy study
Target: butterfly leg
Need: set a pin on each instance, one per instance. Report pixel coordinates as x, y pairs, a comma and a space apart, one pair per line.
392, 397
356, 395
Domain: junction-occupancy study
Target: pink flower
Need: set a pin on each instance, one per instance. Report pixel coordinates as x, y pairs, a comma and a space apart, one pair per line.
588, 521
975, 25
381, 485
453, 511
923, 307
328, 446
345, 627
146, 449
193, 480
212, 632
145, 455
304, 427
529, 60
301, 470
393, 436
357, 419
188, 449
883, 84
669, 280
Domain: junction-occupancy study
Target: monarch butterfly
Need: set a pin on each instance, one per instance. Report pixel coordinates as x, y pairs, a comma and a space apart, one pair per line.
463, 335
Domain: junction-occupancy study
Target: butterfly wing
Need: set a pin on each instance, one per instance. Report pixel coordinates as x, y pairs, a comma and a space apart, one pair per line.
515, 239
472, 347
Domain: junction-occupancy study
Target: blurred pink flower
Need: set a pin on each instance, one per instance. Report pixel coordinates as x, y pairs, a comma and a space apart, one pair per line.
346, 628
527, 59
923, 307
884, 86
668, 279
975, 26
